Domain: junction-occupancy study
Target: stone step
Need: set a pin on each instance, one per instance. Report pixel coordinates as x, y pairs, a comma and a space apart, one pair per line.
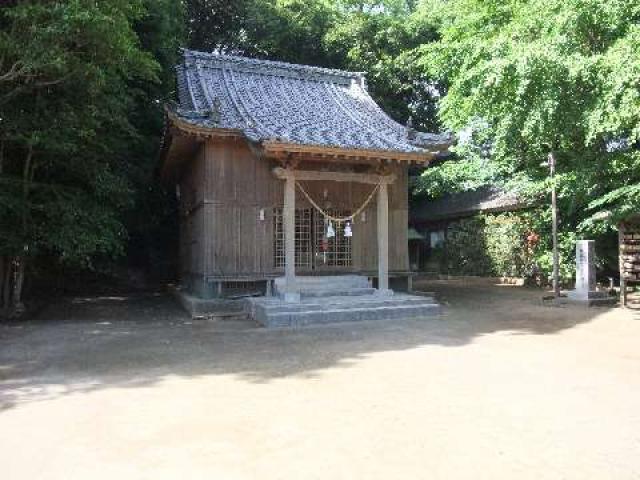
328, 303
335, 291
319, 278
348, 314
273, 312
328, 285
328, 281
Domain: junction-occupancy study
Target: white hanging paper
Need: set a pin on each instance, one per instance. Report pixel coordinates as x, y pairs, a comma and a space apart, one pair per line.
330, 231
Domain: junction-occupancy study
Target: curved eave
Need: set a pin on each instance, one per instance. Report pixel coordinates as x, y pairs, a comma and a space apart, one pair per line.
437, 147
181, 140
278, 149
183, 137
181, 126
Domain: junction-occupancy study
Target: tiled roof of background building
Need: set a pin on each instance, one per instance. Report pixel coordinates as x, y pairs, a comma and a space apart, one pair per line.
489, 199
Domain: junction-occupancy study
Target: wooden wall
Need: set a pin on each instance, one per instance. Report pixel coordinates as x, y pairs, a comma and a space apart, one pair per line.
233, 184
192, 216
238, 184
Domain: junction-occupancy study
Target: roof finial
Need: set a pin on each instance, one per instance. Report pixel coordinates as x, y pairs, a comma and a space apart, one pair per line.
411, 132
214, 113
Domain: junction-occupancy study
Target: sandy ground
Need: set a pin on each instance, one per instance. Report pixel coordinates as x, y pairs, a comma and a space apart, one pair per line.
500, 387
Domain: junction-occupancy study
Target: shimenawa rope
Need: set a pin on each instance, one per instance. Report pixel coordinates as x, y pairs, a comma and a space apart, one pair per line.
338, 219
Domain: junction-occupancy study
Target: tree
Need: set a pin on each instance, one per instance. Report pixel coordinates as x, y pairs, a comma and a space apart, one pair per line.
216, 25
382, 38
540, 76
151, 221
66, 71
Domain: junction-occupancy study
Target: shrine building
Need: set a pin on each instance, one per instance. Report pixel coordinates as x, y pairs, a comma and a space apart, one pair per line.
285, 172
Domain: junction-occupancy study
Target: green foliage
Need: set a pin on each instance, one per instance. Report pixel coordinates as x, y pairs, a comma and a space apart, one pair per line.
71, 76
216, 24
151, 222
528, 77
501, 244
383, 38
505, 240
455, 177
465, 250
490, 245
545, 75
292, 31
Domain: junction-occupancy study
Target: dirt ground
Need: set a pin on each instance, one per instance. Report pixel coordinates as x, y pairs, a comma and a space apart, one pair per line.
499, 387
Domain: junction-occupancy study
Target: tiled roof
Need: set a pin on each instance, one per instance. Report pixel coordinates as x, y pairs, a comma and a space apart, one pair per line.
464, 204
287, 103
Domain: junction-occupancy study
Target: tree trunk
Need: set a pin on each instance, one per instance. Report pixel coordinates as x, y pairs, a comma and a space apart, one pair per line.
18, 282
5, 262
3, 266
6, 283
19, 261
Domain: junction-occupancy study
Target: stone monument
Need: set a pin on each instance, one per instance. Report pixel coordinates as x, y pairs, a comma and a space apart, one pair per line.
585, 291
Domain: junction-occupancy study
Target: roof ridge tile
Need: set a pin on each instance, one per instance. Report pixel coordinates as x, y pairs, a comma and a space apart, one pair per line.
272, 67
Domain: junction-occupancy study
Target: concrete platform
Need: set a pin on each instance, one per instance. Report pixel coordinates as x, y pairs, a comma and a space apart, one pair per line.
322, 299
604, 301
208, 308
591, 298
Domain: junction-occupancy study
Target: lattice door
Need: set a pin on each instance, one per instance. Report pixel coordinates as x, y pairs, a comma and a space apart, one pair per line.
303, 238
336, 251
311, 249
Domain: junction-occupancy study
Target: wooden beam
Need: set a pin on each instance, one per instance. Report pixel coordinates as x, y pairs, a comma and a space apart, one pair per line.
315, 175
422, 157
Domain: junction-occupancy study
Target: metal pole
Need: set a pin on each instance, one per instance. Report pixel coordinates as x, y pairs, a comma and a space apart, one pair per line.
554, 226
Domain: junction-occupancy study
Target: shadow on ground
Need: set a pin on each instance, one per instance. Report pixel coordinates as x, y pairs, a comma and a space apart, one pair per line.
84, 344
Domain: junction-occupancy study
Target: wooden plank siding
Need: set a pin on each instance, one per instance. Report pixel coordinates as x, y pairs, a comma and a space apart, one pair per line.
192, 217
232, 184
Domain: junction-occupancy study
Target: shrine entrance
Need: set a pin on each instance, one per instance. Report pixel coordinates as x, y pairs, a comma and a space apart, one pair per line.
331, 252
315, 248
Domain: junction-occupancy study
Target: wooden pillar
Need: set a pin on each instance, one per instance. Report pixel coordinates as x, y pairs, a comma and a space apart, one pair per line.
383, 240
291, 293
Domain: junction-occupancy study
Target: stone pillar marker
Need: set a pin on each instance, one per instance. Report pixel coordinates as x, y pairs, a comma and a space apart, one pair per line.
585, 269
383, 241
291, 293
585, 291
